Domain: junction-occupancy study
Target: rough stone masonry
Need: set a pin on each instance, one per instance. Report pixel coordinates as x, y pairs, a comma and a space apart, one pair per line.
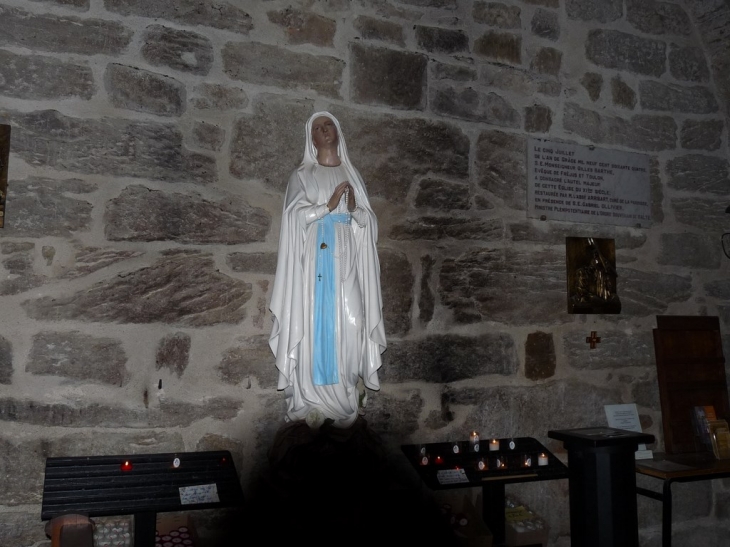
151, 144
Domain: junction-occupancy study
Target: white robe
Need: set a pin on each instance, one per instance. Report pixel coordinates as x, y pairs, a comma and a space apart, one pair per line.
359, 326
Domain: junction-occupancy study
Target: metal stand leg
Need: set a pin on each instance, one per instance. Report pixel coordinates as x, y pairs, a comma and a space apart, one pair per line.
667, 514
145, 525
493, 510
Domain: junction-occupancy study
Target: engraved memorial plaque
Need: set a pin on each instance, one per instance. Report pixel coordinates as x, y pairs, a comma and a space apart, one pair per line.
577, 183
4, 158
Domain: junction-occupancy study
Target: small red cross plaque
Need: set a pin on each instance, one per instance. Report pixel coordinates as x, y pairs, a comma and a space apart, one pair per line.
593, 339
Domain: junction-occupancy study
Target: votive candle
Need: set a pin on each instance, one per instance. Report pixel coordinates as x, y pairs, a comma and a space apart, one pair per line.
474, 441
494, 445
542, 459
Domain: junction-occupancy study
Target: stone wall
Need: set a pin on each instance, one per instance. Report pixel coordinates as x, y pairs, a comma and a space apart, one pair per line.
151, 144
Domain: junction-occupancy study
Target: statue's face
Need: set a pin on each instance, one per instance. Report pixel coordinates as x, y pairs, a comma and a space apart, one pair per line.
324, 133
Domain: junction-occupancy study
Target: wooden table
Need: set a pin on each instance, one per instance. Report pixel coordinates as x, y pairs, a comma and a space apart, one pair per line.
678, 468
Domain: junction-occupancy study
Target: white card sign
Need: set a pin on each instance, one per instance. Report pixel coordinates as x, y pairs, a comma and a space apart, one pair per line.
626, 417
202, 493
578, 183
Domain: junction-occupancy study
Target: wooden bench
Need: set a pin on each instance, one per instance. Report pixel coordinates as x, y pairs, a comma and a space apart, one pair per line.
141, 485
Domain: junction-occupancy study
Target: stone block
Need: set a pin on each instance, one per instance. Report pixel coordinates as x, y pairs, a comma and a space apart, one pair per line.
688, 64
427, 297
645, 393
500, 46
593, 84
178, 49
19, 263
539, 356
107, 146
36, 77
6, 361
10, 247
441, 40
394, 418
445, 358
538, 118
701, 134
454, 73
547, 60
442, 195
249, 357
706, 214
546, 3
644, 294
435, 228
474, 105
252, 140
654, 17
142, 214
88, 260
641, 132
144, 91
656, 181
21, 275
208, 96
611, 352
264, 64
496, 14
173, 353
535, 408
381, 76
396, 274
502, 285
165, 413
711, 21
500, 167
414, 147
439, 4
182, 289
699, 173
211, 441
603, 11
81, 5
252, 262
622, 93
77, 356
622, 51
49, 32
545, 24
222, 15
719, 289
518, 80
687, 250
675, 98
371, 28
302, 27
208, 136
42, 207
20, 528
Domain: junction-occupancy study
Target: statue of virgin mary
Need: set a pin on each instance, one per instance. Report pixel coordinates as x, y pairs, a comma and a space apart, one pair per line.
326, 301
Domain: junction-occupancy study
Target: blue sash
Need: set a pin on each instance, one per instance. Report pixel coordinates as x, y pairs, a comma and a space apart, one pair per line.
325, 337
